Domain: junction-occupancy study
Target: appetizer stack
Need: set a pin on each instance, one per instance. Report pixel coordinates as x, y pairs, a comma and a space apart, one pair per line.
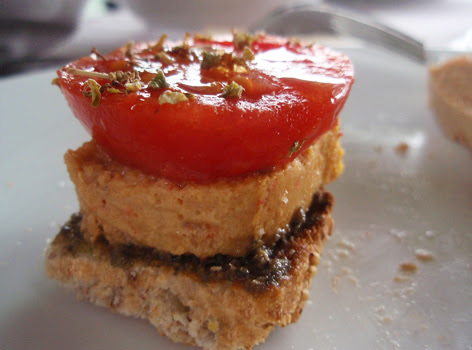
202, 201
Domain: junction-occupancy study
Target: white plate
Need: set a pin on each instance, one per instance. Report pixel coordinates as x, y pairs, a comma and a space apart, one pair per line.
387, 206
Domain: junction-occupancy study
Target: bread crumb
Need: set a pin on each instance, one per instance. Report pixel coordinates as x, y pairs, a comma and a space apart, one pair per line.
444, 339
327, 263
408, 266
420, 329
354, 281
402, 148
398, 234
344, 243
423, 254
382, 316
380, 309
342, 253
335, 284
429, 233
401, 279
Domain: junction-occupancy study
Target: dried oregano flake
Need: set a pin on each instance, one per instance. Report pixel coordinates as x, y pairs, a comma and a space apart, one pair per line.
211, 59
248, 54
98, 54
92, 89
133, 86
295, 147
56, 81
233, 90
113, 90
203, 36
242, 40
164, 58
223, 60
89, 74
129, 49
131, 81
160, 44
159, 81
172, 97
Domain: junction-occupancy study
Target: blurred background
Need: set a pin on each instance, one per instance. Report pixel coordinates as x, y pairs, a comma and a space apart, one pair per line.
47, 33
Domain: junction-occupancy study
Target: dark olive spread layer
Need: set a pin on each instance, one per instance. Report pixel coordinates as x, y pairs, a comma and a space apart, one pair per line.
267, 265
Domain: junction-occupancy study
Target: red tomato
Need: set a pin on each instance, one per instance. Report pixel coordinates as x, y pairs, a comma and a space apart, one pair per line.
292, 95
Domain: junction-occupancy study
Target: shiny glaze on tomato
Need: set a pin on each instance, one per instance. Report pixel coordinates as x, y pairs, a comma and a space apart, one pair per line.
292, 95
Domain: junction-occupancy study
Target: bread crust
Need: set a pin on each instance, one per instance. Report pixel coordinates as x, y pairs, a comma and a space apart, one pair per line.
450, 97
182, 306
224, 216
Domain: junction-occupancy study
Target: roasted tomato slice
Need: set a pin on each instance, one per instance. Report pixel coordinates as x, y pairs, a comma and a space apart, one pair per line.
202, 109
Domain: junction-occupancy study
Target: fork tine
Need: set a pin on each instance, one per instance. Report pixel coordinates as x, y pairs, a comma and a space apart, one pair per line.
305, 19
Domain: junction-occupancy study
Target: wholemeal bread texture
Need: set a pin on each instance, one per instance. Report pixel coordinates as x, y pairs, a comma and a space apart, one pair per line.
224, 304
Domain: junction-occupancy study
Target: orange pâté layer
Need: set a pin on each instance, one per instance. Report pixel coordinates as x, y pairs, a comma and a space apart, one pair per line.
222, 217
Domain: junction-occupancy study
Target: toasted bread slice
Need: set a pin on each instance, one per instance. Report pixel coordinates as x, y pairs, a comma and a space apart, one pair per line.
223, 303
450, 92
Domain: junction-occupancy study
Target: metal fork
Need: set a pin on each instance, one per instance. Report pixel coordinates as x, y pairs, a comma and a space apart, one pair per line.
326, 19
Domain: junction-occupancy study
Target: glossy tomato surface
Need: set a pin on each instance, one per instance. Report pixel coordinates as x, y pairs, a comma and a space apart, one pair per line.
292, 95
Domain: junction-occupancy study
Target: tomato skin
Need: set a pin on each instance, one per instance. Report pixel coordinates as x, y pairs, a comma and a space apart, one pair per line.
292, 94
